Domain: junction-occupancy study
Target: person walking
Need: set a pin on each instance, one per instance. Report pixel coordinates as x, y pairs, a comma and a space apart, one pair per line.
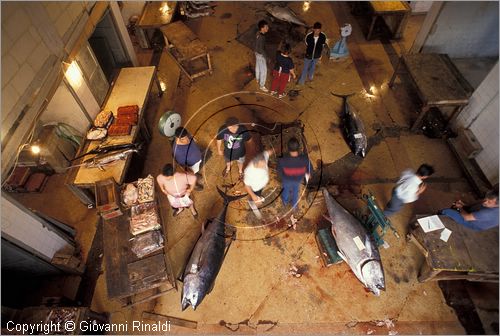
178, 187
260, 55
187, 153
283, 68
292, 168
315, 41
481, 217
232, 136
409, 187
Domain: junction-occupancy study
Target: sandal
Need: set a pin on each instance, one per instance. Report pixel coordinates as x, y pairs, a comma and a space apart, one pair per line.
241, 176
195, 214
225, 172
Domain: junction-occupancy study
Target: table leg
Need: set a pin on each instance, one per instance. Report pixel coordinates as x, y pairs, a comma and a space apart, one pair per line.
393, 78
157, 81
427, 273
421, 116
454, 114
370, 30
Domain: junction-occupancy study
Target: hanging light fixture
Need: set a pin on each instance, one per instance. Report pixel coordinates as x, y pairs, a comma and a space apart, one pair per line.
73, 74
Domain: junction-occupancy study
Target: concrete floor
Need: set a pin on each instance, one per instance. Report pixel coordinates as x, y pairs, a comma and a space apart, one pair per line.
254, 292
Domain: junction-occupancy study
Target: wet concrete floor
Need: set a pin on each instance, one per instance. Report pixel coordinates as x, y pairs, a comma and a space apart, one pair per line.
254, 292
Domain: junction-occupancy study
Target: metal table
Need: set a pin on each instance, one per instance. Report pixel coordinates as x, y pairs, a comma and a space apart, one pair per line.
437, 82
468, 254
132, 87
395, 14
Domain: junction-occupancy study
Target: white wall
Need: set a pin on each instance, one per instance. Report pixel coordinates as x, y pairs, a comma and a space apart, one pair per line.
420, 7
25, 230
64, 108
465, 29
481, 116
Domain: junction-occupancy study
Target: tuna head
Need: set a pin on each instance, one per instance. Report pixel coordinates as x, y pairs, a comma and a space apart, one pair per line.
193, 291
373, 276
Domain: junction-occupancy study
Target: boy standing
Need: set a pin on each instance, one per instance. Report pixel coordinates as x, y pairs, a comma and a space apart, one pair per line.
232, 136
292, 169
282, 70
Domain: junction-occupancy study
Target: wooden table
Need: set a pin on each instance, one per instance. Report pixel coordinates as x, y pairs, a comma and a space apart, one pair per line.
154, 15
437, 82
468, 254
132, 87
131, 279
187, 50
395, 14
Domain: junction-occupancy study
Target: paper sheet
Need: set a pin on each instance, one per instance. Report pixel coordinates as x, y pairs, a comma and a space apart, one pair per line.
431, 223
445, 234
359, 243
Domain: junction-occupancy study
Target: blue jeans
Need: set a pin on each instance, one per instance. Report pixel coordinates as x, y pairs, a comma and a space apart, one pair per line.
309, 66
290, 187
455, 215
394, 205
260, 69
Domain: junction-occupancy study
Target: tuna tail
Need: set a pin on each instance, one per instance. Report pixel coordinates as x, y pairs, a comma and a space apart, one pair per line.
228, 198
342, 96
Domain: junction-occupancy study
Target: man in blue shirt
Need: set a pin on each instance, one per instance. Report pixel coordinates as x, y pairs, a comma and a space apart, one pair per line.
486, 217
292, 169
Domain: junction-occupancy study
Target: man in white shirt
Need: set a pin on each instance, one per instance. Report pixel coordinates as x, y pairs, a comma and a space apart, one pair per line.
408, 188
257, 176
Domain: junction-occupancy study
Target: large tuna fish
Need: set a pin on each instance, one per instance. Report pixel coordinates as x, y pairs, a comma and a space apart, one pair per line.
284, 14
354, 130
356, 246
206, 258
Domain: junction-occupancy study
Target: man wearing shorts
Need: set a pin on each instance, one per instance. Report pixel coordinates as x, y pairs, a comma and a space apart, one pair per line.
232, 136
178, 187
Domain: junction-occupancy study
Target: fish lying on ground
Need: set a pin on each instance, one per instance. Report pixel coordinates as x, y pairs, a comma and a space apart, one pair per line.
354, 129
356, 246
284, 14
206, 258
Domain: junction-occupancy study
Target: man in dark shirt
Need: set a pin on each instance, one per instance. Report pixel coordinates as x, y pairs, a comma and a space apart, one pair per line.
292, 169
314, 47
233, 136
260, 55
186, 151
283, 68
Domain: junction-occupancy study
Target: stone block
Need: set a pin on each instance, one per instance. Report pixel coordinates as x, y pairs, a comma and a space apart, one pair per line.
23, 47
9, 98
9, 68
38, 57
7, 43
53, 9
17, 24
62, 25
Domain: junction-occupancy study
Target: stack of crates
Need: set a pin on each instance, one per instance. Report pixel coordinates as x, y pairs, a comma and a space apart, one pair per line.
107, 198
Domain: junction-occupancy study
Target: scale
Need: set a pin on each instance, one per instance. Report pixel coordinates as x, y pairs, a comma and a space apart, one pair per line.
340, 50
168, 123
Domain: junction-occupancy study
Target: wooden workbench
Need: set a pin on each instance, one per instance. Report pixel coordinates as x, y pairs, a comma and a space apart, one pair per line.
437, 82
186, 48
154, 15
468, 254
395, 14
131, 279
132, 87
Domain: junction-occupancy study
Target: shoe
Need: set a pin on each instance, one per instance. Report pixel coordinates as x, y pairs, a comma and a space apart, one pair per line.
177, 211
263, 88
272, 93
225, 172
241, 176
282, 95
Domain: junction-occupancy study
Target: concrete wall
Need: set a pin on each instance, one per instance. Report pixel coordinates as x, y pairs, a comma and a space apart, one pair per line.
36, 38
465, 29
28, 232
481, 116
